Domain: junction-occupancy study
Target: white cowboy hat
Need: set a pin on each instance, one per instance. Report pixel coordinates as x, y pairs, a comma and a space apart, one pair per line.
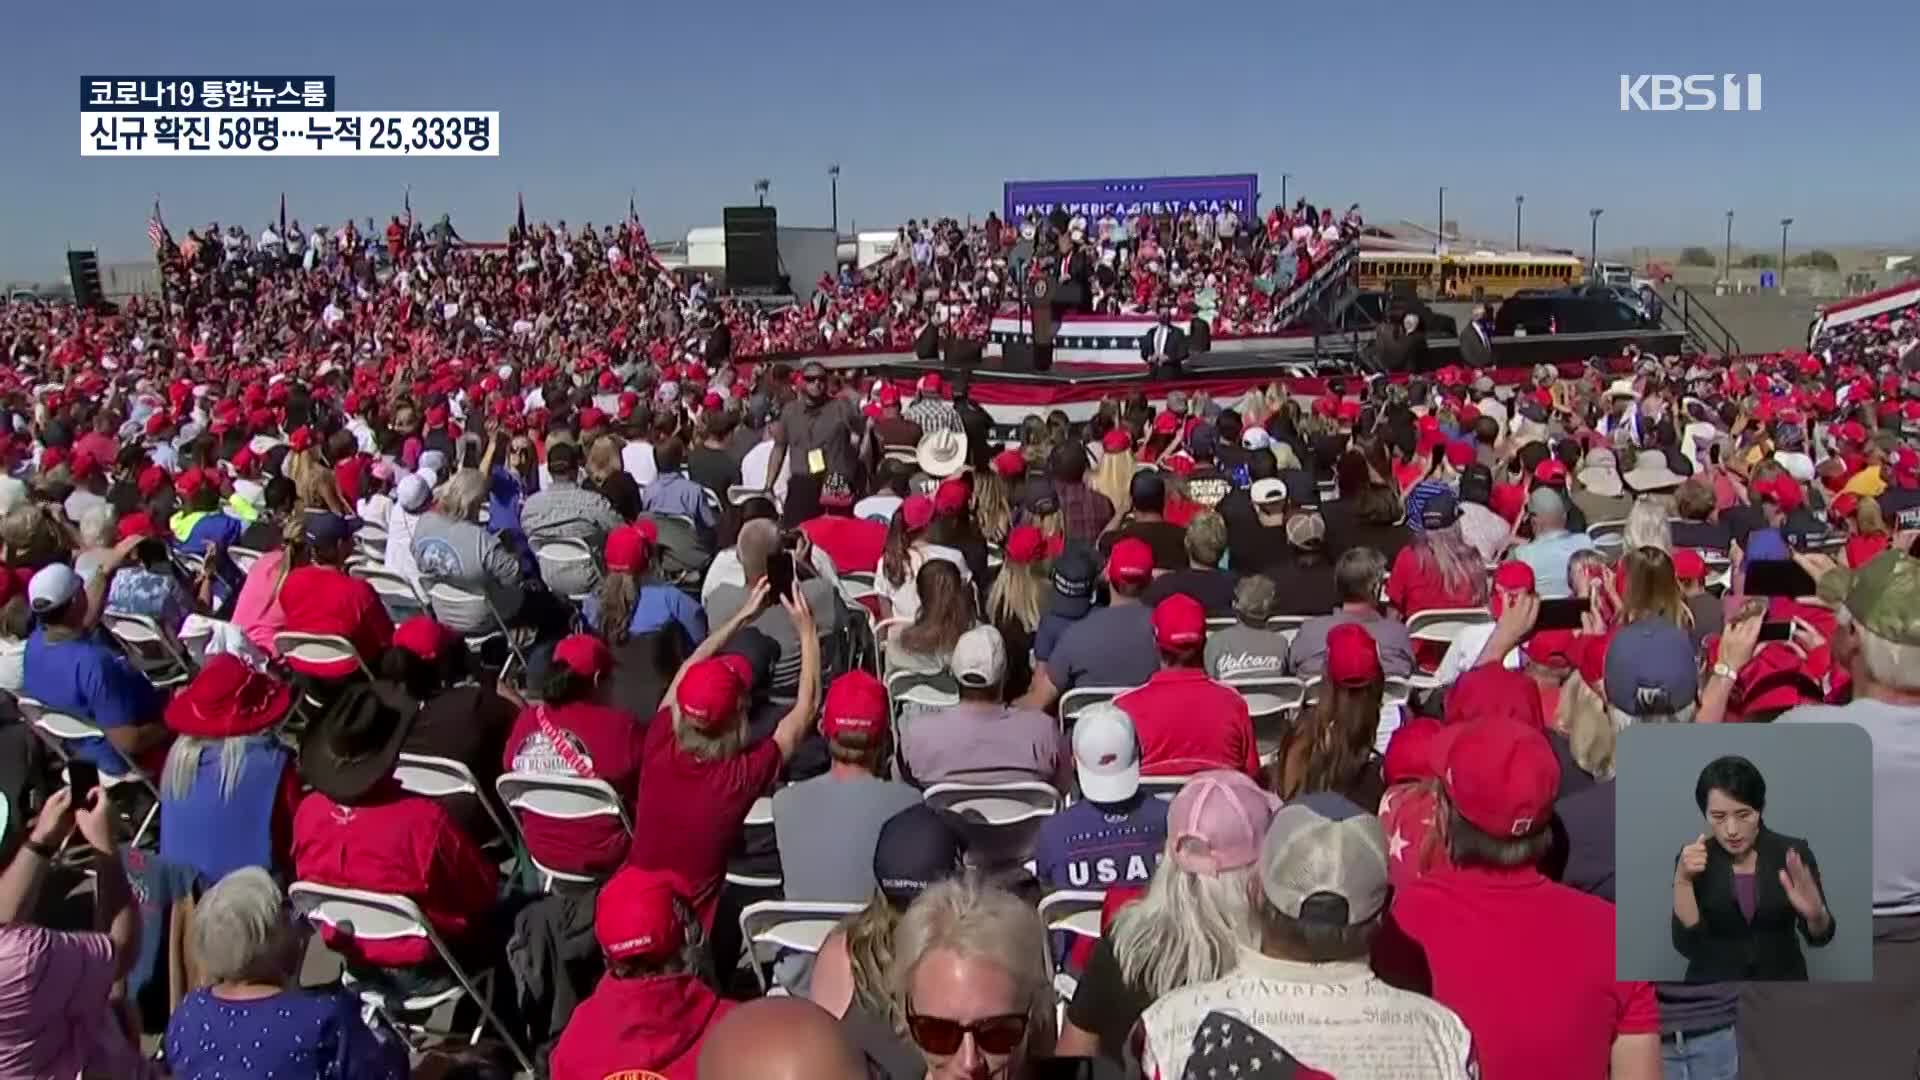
941, 453
1623, 388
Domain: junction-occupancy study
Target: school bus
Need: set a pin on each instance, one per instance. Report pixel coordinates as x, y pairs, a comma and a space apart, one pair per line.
1480, 275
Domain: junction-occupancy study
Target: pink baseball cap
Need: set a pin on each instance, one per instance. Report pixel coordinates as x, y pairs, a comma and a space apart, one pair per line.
1218, 821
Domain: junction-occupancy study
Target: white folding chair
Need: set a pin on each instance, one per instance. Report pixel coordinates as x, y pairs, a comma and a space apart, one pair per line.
1217, 623
1398, 691
1442, 625
759, 820
880, 631
1001, 820
1080, 697
1610, 537
739, 493
769, 927
1272, 703
371, 541
243, 558
398, 595
1286, 625
319, 649
564, 798
62, 728
564, 560
373, 916
455, 606
1164, 788
441, 778
1075, 912
151, 648
712, 500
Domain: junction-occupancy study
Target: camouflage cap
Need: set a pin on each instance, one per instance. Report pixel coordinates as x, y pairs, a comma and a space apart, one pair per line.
1885, 597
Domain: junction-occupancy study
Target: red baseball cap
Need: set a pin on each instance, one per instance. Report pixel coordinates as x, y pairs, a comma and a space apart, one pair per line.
1009, 463
1513, 576
1491, 691
626, 404
889, 394
1551, 472
627, 550
157, 423
584, 654
84, 466
709, 694
1688, 565
917, 510
436, 416
951, 496
1459, 455
634, 916
856, 705
1352, 657
931, 383
1130, 561
1113, 442
1783, 491
1179, 623
591, 418
1026, 544
1554, 648
189, 483
1850, 431
153, 480
1414, 751
1166, 424
423, 637
1502, 776
139, 524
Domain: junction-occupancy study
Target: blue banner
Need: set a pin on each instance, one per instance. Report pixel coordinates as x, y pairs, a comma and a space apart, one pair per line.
1151, 195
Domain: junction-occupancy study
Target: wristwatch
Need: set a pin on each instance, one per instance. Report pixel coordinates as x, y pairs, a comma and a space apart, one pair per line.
1722, 671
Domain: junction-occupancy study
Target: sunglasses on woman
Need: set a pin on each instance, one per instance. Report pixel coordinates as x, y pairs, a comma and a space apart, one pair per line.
992, 1034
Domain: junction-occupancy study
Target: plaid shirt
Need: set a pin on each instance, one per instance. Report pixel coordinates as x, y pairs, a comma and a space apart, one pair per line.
933, 414
1084, 511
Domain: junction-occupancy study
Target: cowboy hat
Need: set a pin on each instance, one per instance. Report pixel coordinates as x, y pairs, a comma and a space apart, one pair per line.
1600, 474
941, 453
351, 749
1623, 388
1652, 473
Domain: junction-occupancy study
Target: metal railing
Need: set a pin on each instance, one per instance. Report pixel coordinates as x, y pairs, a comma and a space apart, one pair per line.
1705, 331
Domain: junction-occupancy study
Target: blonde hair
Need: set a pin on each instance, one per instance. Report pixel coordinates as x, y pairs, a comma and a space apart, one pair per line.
461, 496
1653, 590
1647, 525
603, 459
1018, 593
1868, 519
870, 939
985, 922
1114, 478
1582, 714
992, 506
705, 746
1188, 928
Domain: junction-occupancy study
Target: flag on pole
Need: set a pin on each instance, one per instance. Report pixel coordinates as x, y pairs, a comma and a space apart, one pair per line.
283, 216
406, 203
633, 215
520, 220
157, 229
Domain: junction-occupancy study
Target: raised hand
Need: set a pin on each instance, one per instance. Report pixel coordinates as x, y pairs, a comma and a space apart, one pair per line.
1693, 859
1802, 891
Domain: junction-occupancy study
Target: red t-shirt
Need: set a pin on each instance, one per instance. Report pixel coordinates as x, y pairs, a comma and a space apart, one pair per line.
639, 1028
394, 842
690, 812
600, 743
1496, 938
323, 600
1187, 723
1413, 588
853, 544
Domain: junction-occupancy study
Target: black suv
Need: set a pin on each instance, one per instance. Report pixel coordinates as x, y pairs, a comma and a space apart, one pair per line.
1563, 312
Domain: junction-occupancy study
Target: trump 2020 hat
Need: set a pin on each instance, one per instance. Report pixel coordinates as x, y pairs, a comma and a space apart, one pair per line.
1501, 776
635, 918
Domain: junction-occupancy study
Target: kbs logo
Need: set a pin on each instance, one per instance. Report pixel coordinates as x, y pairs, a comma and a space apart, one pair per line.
1689, 93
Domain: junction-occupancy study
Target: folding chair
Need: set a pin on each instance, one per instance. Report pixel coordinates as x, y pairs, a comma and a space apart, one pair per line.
769, 927
1164, 788
739, 493
880, 631
860, 592
1075, 912
1080, 697
1286, 625
565, 798
759, 820
441, 778
1610, 537
397, 594
319, 649
1272, 703
455, 606
914, 693
1001, 820
62, 728
371, 541
1442, 625
564, 560
151, 648
712, 500
374, 916
243, 558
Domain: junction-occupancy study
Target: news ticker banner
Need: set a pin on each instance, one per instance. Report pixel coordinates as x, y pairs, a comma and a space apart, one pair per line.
264, 116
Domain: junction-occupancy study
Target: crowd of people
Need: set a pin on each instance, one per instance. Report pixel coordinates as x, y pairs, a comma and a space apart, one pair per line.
328, 514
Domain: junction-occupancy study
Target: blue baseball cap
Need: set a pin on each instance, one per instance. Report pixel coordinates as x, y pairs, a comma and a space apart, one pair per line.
327, 528
1650, 669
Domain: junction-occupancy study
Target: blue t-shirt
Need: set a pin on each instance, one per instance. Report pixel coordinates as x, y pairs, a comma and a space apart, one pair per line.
1093, 846
1047, 634
294, 1035
657, 607
92, 680
214, 528
504, 498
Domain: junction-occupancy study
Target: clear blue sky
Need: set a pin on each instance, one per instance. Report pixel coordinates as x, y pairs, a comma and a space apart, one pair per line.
928, 107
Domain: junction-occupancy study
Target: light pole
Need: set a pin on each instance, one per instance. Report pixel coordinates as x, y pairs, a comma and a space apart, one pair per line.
760, 188
1440, 230
1518, 201
833, 177
1780, 279
1729, 251
1593, 241
1283, 191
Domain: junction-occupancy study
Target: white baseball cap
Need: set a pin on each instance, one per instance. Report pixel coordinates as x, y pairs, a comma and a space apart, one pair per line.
1269, 490
1255, 438
980, 658
412, 492
1106, 753
51, 587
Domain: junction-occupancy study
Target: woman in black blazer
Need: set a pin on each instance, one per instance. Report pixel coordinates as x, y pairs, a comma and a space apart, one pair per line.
1742, 890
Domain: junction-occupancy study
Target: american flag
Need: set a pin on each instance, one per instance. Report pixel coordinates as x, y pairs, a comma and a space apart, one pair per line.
1228, 1046
157, 229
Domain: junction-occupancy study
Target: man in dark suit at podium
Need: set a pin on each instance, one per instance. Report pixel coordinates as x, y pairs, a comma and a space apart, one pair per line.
1164, 347
1476, 339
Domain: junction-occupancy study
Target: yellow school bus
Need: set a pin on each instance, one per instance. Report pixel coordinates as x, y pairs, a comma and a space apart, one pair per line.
1480, 275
